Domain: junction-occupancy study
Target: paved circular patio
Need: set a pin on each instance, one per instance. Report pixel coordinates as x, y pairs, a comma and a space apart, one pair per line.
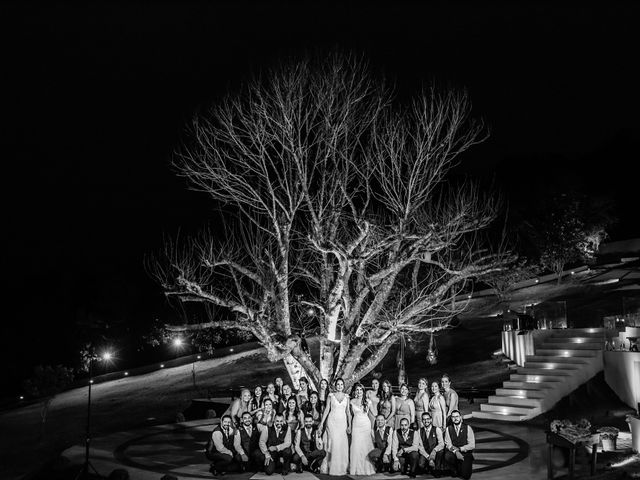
177, 449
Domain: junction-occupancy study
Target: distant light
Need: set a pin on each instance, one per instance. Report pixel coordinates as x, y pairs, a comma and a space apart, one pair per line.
468, 296
537, 280
573, 273
578, 340
177, 342
107, 356
231, 349
91, 381
199, 357
126, 373
565, 353
592, 330
21, 397
162, 365
311, 311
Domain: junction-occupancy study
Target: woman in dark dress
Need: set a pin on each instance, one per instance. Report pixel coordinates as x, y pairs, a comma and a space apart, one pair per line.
292, 414
312, 407
256, 400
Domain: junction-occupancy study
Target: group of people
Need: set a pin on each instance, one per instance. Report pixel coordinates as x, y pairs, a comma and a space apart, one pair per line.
329, 431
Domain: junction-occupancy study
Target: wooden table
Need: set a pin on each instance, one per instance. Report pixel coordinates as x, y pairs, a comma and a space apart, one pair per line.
555, 440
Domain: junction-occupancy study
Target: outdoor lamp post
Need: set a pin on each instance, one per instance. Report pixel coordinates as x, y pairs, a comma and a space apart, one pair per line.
177, 345
84, 471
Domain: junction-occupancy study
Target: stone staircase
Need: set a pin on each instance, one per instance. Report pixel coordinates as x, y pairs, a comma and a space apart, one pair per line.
565, 360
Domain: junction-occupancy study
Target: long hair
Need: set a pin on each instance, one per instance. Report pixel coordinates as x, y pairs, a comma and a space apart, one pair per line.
256, 402
288, 412
242, 392
363, 402
308, 407
384, 395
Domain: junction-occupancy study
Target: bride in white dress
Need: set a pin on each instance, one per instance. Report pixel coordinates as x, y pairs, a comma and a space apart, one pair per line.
337, 422
361, 435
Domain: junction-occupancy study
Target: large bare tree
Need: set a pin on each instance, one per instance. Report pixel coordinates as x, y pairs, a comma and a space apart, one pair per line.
339, 219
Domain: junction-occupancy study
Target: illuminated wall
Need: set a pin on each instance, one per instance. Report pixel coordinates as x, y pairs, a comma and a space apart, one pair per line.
622, 374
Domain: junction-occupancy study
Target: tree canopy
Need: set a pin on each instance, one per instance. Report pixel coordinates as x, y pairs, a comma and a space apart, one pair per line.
338, 216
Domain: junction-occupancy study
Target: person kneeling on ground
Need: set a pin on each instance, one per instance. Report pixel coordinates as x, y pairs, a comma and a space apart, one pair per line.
247, 444
460, 442
381, 440
431, 447
220, 448
403, 450
308, 447
275, 446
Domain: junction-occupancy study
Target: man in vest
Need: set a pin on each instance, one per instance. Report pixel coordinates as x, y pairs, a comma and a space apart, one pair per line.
459, 443
431, 446
307, 454
381, 440
450, 397
403, 450
246, 443
275, 446
220, 448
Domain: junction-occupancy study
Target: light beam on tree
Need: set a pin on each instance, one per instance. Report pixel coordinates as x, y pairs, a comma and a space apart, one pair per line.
338, 196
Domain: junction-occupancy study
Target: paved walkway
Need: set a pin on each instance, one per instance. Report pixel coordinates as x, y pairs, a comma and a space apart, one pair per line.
503, 450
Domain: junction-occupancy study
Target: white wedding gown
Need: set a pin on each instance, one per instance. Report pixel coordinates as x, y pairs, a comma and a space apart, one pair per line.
337, 442
361, 443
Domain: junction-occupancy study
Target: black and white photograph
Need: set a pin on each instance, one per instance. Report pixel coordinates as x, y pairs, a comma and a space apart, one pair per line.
320, 240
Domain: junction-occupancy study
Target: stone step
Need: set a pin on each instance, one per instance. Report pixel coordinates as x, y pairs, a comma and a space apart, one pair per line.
578, 361
536, 378
557, 372
573, 339
509, 409
505, 417
566, 352
578, 332
553, 365
518, 401
524, 385
522, 392
571, 346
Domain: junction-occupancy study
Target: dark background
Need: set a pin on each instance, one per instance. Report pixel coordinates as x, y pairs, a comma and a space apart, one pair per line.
95, 98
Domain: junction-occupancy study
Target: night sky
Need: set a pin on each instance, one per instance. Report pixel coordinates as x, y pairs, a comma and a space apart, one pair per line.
95, 98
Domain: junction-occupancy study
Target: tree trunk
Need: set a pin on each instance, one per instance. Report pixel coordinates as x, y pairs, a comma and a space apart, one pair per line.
296, 371
326, 359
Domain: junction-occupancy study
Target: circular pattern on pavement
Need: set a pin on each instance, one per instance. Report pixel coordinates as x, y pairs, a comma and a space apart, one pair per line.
180, 451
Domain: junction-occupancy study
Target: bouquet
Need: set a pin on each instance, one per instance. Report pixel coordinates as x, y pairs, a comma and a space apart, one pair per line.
570, 431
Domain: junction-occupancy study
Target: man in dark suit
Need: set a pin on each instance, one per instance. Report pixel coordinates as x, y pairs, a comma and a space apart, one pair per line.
381, 437
220, 448
403, 450
247, 443
431, 447
275, 446
308, 454
460, 442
